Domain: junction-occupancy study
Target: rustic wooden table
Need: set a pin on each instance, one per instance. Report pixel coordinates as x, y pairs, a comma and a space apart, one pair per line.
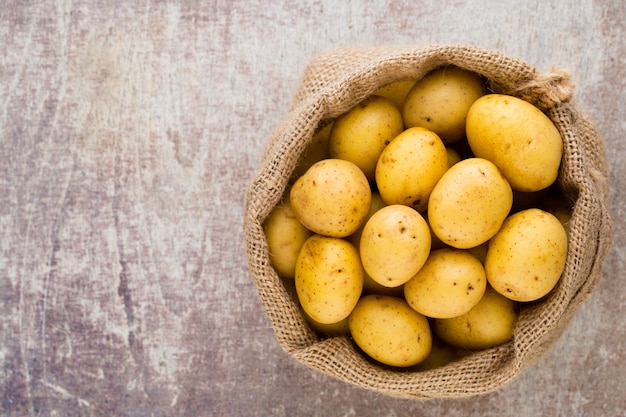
129, 132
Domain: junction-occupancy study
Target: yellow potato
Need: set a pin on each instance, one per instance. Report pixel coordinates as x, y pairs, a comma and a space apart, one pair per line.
453, 156
440, 355
527, 256
490, 323
316, 150
332, 198
285, 236
394, 245
329, 278
376, 204
360, 135
440, 101
339, 328
518, 138
560, 208
469, 203
396, 92
369, 285
410, 166
450, 283
390, 331
480, 251
435, 242
372, 287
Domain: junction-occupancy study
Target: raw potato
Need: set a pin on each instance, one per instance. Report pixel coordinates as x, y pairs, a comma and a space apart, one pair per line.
329, 278
410, 166
390, 331
440, 354
339, 328
332, 198
360, 135
518, 138
480, 251
453, 156
316, 150
450, 283
394, 245
376, 204
369, 285
285, 236
372, 287
396, 92
527, 256
490, 323
469, 203
560, 208
440, 101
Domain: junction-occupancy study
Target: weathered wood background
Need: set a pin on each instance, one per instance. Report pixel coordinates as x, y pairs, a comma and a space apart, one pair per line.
128, 134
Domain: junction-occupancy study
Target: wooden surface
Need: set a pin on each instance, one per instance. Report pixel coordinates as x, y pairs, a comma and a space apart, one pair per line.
128, 134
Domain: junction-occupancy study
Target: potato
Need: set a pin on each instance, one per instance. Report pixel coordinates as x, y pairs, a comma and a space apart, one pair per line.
394, 245
453, 156
372, 287
369, 285
360, 135
339, 328
450, 283
329, 278
396, 92
390, 331
285, 236
518, 138
527, 256
440, 355
560, 208
332, 198
480, 251
435, 242
469, 203
315, 151
376, 204
440, 101
490, 323
410, 166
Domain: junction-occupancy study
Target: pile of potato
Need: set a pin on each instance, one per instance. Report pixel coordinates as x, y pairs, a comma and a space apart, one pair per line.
419, 221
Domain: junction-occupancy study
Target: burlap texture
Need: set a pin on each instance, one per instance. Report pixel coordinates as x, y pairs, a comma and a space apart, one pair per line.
336, 81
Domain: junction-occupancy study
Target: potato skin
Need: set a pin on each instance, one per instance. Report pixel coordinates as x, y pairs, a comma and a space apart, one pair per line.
518, 138
396, 91
395, 243
360, 135
526, 258
440, 101
315, 151
369, 285
285, 236
409, 168
450, 283
332, 198
489, 323
469, 203
390, 331
329, 278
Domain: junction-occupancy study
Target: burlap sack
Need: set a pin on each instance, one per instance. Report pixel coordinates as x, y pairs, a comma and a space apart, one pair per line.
336, 81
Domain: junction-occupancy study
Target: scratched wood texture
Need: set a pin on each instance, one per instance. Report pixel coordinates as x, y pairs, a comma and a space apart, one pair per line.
128, 134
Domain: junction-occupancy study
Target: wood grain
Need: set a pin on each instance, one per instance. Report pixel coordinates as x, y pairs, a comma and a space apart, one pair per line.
128, 134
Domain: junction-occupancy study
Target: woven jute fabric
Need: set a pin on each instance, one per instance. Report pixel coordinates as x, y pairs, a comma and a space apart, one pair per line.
333, 83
